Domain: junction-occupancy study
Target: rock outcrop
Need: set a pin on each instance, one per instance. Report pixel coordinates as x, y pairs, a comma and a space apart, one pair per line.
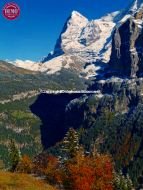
127, 50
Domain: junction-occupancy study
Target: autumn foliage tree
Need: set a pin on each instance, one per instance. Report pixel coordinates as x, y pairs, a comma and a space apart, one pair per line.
75, 169
90, 173
40, 163
81, 171
48, 166
51, 171
25, 165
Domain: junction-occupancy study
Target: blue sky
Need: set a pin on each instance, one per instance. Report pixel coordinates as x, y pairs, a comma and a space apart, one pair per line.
34, 33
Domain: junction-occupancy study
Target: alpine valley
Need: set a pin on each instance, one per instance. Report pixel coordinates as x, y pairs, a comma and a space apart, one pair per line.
103, 57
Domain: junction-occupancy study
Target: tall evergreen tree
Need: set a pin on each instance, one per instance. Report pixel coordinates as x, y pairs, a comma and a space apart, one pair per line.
70, 145
14, 155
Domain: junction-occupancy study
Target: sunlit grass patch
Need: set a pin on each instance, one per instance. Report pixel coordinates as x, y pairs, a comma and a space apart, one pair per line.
16, 181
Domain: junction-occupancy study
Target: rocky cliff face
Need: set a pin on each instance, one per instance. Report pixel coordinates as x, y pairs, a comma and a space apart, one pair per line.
127, 50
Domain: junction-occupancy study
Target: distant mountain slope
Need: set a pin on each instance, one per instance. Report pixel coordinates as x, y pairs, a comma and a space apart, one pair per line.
15, 80
19, 124
7, 67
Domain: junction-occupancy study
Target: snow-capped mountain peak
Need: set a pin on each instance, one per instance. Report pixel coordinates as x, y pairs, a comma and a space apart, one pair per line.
114, 17
80, 45
76, 19
71, 32
85, 42
26, 64
77, 14
90, 40
135, 6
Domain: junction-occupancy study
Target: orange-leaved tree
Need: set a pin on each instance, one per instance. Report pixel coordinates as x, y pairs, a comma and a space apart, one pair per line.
51, 171
25, 165
47, 165
90, 173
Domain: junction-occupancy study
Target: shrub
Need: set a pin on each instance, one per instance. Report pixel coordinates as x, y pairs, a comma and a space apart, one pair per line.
25, 165
123, 182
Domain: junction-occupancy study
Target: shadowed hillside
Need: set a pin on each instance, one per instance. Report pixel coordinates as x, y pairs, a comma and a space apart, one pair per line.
51, 109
